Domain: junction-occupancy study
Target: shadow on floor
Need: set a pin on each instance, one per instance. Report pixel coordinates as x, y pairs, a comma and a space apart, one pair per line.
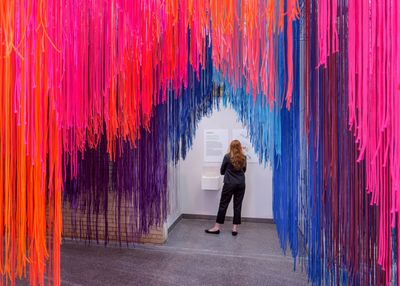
189, 257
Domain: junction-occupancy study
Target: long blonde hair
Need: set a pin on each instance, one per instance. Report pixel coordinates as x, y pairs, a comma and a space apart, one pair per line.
236, 155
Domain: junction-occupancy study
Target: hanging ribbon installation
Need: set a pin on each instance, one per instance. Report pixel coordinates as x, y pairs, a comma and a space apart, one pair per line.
98, 97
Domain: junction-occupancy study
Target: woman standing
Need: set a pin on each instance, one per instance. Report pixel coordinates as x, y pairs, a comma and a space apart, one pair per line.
233, 167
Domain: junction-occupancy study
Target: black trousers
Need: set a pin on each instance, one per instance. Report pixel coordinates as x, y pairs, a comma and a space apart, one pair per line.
237, 191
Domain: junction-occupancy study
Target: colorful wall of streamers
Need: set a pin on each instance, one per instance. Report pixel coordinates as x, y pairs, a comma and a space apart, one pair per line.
99, 96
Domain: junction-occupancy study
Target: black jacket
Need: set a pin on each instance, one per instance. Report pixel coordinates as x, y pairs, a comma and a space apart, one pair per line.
232, 176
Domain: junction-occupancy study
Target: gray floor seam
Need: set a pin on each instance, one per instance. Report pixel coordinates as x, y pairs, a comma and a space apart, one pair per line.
211, 252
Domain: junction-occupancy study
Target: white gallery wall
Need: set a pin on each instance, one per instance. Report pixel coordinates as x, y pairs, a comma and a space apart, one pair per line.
174, 207
191, 199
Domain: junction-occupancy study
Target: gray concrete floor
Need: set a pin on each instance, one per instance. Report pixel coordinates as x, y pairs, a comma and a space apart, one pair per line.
189, 257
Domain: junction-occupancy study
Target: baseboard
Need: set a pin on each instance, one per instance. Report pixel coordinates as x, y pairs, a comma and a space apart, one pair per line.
213, 217
229, 218
171, 227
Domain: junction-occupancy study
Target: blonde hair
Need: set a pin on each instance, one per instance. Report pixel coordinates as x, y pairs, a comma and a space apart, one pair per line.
238, 159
